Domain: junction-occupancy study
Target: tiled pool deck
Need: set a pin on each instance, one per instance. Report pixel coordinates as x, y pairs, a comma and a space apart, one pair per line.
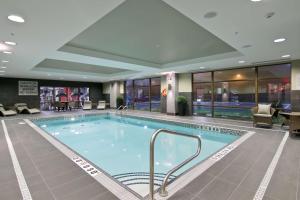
51, 175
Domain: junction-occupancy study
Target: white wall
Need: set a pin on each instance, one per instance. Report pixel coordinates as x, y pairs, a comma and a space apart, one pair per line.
121, 87
295, 77
185, 82
172, 80
114, 93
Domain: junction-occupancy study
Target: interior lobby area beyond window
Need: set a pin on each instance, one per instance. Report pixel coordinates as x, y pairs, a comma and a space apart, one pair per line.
232, 93
143, 94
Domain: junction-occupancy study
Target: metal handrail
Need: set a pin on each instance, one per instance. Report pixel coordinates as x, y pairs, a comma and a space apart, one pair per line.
121, 108
163, 191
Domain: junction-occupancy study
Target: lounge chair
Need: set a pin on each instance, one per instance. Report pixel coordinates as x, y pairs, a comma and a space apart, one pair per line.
262, 115
4, 112
23, 108
87, 105
101, 105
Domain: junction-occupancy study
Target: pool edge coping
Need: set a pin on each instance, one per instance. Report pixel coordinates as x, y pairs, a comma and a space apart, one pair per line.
117, 189
102, 178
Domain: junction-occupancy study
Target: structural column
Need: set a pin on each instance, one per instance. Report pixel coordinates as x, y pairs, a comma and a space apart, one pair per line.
172, 93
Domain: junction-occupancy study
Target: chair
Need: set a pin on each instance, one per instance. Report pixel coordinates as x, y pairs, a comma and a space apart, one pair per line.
71, 105
87, 105
101, 105
262, 115
5, 113
23, 108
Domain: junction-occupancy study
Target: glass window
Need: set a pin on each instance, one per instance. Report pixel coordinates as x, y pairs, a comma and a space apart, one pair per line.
155, 94
202, 77
235, 74
129, 93
46, 97
234, 99
84, 94
141, 94
202, 94
49, 95
274, 85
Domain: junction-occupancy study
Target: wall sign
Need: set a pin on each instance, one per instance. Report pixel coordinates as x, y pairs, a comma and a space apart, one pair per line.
28, 88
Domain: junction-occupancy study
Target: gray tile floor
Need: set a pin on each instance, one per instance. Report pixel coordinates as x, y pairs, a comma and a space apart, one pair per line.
50, 175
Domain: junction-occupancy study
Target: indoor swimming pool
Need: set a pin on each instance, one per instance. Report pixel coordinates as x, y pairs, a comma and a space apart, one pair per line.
119, 145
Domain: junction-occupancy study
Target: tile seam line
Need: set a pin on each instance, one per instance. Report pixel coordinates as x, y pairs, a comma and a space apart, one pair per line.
260, 193
246, 175
17, 168
215, 176
36, 168
298, 176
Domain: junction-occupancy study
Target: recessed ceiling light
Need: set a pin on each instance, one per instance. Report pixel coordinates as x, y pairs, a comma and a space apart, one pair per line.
202, 67
286, 56
5, 61
7, 52
2, 71
269, 15
210, 14
279, 40
3, 67
247, 46
3, 47
242, 61
255, 0
16, 18
10, 43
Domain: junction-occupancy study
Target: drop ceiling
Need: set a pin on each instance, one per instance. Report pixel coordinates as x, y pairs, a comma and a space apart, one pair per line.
107, 40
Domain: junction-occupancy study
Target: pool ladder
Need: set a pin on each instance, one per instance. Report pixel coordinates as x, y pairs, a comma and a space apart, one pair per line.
162, 191
121, 108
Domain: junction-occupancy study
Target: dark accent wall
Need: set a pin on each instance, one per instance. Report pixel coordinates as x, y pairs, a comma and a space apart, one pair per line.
188, 96
9, 91
295, 99
163, 104
106, 97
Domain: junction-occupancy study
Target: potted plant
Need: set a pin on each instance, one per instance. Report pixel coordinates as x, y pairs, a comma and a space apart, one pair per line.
182, 105
119, 101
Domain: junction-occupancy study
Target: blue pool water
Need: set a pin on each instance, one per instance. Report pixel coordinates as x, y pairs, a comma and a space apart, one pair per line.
121, 145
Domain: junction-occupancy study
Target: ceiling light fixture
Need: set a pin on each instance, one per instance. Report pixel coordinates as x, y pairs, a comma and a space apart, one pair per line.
2, 71
16, 18
269, 15
279, 40
7, 52
211, 14
255, 0
10, 43
5, 61
3, 67
242, 61
202, 67
286, 56
247, 46
3, 47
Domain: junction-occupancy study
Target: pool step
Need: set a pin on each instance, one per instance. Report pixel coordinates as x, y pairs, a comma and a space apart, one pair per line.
138, 178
